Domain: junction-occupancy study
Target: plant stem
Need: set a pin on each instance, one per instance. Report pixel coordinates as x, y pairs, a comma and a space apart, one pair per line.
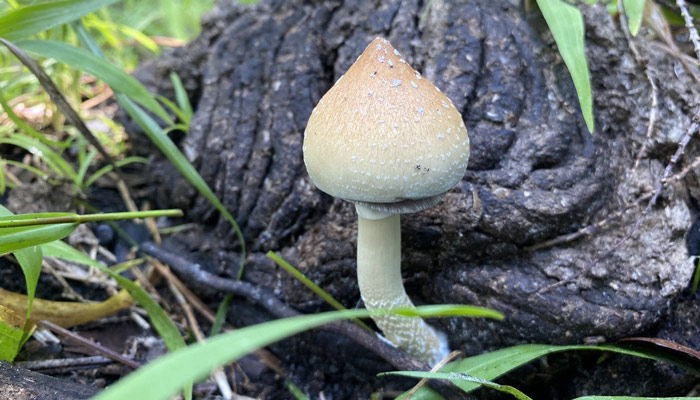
75, 218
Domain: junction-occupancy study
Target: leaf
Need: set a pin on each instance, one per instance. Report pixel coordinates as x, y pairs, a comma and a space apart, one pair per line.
35, 18
634, 9
29, 260
12, 333
66, 313
566, 24
85, 61
455, 377
164, 376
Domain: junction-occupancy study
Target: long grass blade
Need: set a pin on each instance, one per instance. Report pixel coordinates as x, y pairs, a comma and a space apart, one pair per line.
35, 18
160, 139
164, 376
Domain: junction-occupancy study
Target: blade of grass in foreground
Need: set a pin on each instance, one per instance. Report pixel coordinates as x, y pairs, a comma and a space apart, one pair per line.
35, 18
162, 377
566, 23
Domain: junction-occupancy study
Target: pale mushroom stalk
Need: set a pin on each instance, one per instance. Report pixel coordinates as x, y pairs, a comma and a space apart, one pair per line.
381, 286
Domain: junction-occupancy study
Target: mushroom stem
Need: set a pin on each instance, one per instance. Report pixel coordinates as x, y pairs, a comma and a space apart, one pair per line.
381, 286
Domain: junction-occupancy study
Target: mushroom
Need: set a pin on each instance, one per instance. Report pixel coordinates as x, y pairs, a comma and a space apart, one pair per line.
386, 139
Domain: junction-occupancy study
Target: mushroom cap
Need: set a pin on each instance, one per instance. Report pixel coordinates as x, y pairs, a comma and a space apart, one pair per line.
385, 134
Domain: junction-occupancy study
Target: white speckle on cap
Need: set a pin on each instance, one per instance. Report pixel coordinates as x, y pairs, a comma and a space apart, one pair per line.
440, 136
371, 93
417, 74
414, 84
396, 125
380, 99
397, 53
396, 82
341, 77
420, 110
438, 111
390, 64
401, 60
445, 105
373, 74
438, 89
417, 119
381, 59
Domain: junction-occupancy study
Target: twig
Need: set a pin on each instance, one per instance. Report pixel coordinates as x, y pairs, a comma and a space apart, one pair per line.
692, 32
263, 297
87, 342
64, 362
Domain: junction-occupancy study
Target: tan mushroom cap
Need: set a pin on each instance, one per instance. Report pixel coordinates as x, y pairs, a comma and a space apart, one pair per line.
384, 134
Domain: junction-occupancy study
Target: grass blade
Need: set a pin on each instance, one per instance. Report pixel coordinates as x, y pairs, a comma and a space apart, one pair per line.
490, 366
13, 239
220, 315
107, 168
35, 18
163, 142
183, 101
84, 61
634, 9
160, 139
311, 285
163, 377
456, 377
566, 24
